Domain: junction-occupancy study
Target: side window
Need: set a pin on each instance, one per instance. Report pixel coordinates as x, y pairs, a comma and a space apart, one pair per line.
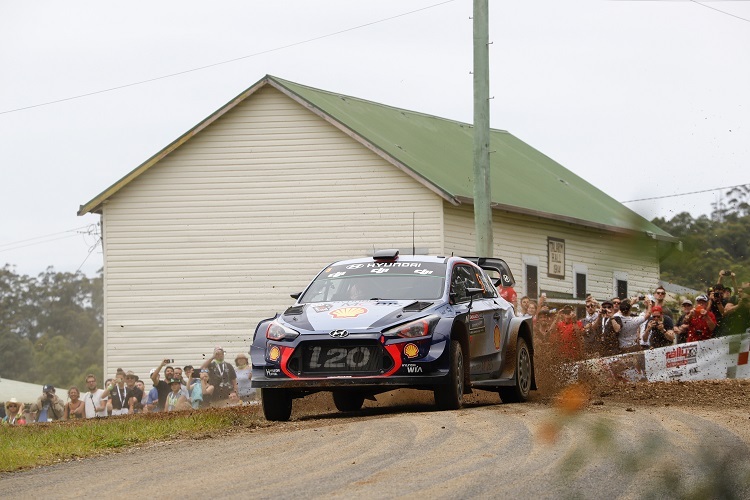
463, 277
489, 289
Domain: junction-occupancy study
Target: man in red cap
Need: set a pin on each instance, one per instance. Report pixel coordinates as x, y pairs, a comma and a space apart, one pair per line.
659, 328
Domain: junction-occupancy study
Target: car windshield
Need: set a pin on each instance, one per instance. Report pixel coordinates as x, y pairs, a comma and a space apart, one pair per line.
378, 280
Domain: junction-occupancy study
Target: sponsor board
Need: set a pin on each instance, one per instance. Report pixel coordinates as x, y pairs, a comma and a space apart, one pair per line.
713, 359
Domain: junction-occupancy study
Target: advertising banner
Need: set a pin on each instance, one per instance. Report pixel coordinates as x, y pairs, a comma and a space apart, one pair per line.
715, 359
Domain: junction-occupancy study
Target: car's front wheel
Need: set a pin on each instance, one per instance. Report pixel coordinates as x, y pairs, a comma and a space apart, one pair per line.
519, 391
348, 401
450, 396
277, 404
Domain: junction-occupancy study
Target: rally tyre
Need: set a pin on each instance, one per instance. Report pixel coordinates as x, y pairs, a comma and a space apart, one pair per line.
348, 401
277, 404
450, 396
519, 391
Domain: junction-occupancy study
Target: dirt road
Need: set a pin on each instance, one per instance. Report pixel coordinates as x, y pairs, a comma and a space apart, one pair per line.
612, 448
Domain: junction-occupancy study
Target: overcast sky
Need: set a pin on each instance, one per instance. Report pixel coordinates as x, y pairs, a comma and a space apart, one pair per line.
641, 98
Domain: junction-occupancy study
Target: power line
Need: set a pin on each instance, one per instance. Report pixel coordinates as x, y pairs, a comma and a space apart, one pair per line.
718, 10
48, 238
685, 194
119, 87
12, 243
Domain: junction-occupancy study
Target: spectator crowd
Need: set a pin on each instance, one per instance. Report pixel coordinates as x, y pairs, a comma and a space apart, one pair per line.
215, 383
623, 325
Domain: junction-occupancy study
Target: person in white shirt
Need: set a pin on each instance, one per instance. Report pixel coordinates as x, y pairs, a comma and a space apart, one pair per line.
630, 332
94, 402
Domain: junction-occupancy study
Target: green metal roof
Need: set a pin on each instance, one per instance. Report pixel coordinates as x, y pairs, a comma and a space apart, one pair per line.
439, 152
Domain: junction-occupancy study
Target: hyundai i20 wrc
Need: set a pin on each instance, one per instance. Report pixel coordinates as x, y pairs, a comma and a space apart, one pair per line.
370, 325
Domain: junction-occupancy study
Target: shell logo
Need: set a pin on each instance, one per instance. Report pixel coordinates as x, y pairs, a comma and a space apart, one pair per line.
411, 350
497, 337
274, 353
347, 312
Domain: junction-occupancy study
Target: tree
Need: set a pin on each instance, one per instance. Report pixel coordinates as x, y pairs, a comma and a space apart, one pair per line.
50, 327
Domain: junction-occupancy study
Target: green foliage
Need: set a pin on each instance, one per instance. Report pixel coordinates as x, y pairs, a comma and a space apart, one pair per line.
710, 244
50, 327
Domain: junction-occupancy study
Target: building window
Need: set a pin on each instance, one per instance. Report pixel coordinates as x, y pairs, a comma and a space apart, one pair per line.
580, 291
532, 282
580, 273
622, 289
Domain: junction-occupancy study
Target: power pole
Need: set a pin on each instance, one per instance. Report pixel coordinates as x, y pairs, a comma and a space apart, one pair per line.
482, 189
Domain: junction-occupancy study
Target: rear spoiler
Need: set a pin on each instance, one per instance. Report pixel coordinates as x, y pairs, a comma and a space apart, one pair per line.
499, 266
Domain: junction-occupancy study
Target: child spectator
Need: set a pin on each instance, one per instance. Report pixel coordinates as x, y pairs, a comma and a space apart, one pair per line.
245, 392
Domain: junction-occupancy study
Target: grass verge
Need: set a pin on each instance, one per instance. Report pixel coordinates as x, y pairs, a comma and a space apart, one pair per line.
33, 445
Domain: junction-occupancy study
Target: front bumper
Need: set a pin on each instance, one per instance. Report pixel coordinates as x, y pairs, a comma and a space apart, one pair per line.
403, 363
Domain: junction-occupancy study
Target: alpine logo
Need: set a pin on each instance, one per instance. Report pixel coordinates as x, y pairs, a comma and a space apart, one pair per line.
338, 334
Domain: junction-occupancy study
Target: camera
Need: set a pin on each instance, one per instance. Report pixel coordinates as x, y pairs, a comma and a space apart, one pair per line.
726, 273
641, 297
169, 361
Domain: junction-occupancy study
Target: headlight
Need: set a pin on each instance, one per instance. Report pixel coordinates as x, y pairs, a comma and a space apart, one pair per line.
276, 331
417, 328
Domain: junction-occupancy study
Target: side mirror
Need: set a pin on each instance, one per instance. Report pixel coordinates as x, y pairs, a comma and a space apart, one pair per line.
295, 296
473, 292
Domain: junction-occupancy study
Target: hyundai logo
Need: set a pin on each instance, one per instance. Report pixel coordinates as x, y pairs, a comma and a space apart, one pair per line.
337, 334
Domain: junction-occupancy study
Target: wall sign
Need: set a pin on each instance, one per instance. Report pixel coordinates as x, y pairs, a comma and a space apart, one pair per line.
556, 258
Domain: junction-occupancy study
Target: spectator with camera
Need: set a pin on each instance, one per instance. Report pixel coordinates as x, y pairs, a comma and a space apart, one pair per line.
162, 387
700, 322
607, 328
221, 375
717, 302
48, 406
737, 319
565, 337
631, 325
659, 329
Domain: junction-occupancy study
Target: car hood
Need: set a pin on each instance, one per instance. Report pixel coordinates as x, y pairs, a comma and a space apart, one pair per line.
364, 315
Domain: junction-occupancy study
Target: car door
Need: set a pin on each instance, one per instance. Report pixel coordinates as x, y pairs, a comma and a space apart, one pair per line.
481, 315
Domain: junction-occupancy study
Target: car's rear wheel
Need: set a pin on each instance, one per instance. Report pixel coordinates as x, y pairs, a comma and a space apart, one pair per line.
519, 391
348, 401
277, 404
450, 396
